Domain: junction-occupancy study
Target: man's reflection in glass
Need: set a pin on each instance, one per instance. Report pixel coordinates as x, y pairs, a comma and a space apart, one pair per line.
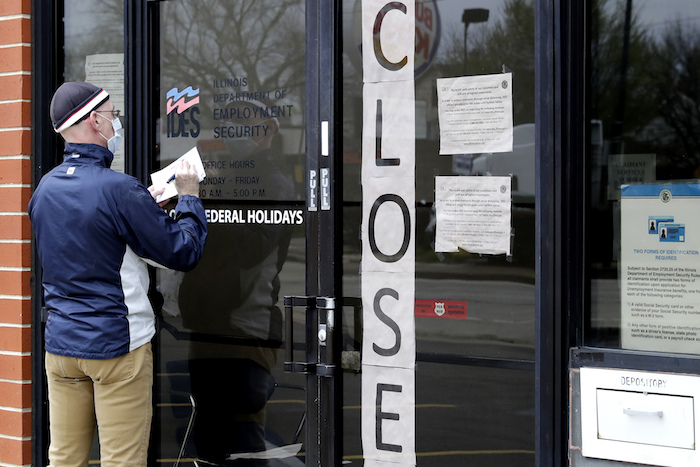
229, 301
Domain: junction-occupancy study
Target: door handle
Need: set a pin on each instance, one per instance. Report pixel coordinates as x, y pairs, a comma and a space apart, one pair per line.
324, 332
290, 302
643, 413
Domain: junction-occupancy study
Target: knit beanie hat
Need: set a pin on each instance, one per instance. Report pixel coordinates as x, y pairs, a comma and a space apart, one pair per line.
73, 101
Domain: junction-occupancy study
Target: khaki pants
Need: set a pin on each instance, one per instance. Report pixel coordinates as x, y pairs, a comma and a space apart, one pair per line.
115, 395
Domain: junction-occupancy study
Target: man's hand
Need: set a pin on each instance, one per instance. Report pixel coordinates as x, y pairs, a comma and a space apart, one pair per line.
186, 179
156, 193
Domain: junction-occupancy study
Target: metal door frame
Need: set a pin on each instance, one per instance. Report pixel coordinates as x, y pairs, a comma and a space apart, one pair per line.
560, 299
324, 241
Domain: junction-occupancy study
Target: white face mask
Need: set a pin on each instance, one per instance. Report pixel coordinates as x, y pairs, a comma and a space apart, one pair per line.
113, 142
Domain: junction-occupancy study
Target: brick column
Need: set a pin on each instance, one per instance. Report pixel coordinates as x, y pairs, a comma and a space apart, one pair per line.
15, 250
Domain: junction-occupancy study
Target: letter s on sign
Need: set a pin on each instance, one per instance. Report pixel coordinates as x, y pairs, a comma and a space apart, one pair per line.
384, 318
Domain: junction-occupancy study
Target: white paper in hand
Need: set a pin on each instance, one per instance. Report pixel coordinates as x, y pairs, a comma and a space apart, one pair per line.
160, 178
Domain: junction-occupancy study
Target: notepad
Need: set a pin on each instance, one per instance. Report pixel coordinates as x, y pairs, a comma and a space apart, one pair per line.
160, 178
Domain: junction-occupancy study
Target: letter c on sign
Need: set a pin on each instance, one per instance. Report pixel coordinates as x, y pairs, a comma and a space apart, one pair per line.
377, 40
406, 228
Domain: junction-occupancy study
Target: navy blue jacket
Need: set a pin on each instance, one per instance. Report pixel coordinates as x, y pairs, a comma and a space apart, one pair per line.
94, 228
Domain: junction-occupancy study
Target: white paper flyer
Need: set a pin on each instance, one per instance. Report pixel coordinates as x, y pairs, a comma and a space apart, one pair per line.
473, 214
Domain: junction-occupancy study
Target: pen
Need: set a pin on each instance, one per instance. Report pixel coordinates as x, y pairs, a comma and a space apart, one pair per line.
171, 179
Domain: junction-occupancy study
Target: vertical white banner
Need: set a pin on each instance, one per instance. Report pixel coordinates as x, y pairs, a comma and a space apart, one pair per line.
388, 230
473, 214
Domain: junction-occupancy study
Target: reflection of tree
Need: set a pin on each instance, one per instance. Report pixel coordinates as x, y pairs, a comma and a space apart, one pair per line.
506, 41
676, 72
657, 84
644, 90
620, 84
511, 43
263, 41
103, 33
202, 40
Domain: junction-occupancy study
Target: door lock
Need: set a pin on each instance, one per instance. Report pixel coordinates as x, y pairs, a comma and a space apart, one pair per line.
322, 334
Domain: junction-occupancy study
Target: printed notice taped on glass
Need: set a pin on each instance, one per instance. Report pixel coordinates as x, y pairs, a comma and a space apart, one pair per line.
475, 114
107, 71
660, 267
473, 214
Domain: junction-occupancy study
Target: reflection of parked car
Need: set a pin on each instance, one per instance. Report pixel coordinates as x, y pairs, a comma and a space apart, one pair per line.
520, 163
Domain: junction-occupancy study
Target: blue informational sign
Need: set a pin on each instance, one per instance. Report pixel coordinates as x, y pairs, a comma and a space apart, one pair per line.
660, 267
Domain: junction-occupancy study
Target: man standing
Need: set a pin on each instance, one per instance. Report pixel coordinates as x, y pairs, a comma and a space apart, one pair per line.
94, 229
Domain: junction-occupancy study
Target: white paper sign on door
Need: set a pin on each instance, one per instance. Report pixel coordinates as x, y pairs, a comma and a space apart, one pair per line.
107, 71
473, 214
475, 114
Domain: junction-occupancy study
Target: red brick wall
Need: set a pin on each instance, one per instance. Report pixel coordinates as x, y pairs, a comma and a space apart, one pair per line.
15, 257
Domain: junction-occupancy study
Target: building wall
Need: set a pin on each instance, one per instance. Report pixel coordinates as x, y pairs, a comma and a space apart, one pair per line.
15, 248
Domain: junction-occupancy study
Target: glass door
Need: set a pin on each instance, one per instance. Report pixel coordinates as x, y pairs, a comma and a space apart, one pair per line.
327, 225
231, 84
442, 368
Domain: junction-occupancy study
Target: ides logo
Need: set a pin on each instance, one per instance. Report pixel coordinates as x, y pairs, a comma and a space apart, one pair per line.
183, 122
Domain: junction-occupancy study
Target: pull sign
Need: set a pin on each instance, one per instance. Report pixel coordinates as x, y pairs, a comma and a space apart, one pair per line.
313, 182
324, 138
325, 189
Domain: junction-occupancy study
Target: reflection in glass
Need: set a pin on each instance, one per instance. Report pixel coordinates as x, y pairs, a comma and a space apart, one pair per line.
233, 292
94, 52
91, 27
499, 329
94, 30
505, 42
232, 85
644, 127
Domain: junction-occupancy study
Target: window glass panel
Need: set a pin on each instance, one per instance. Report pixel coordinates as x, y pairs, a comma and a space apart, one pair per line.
232, 85
644, 124
480, 356
505, 42
94, 52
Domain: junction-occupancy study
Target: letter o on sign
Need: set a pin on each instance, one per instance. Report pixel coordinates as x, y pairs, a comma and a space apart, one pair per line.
406, 228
